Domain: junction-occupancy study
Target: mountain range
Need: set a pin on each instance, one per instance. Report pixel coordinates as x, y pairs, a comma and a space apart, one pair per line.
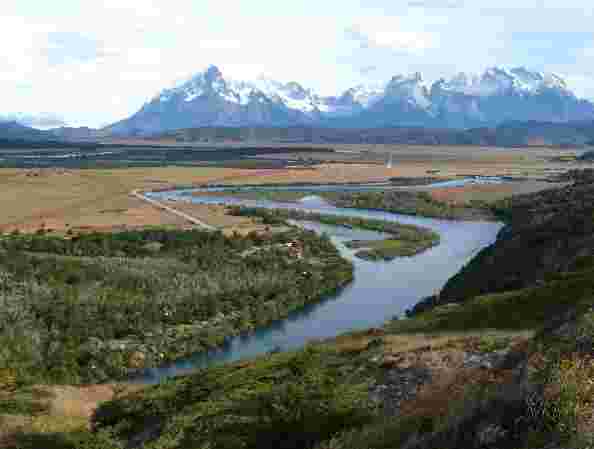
209, 99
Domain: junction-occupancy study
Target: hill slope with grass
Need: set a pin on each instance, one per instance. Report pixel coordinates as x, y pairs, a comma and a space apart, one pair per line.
548, 232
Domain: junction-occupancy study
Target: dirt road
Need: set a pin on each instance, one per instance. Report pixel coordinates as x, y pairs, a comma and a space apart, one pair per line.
173, 211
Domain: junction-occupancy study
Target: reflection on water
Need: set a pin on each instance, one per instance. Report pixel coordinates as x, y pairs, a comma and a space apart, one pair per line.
380, 291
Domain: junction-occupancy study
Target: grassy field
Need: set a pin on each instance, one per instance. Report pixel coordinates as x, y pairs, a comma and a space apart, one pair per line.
98, 199
488, 192
387, 249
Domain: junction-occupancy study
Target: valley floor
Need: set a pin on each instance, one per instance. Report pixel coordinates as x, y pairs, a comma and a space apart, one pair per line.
98, 199
511, 368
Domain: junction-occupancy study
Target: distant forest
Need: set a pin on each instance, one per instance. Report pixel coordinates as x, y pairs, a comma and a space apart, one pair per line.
570, 135
508, 134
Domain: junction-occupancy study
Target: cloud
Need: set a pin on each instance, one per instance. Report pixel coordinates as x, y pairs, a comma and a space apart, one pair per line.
436, 4
368, 36
95, 62
219, 44
366, 70
63, 47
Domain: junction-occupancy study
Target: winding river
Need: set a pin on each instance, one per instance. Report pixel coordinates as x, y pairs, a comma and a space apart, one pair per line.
380, 290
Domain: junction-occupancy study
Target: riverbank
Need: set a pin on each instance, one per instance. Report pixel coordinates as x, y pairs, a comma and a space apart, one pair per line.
411, 203
476, 380
401, 240
407, 202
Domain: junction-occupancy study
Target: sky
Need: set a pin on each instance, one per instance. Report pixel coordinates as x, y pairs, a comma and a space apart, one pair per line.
91, 62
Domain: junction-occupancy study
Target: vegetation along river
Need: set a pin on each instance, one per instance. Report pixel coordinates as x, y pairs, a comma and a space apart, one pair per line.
380, 290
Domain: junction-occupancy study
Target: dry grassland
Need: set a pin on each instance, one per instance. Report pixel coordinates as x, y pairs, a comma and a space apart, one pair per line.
99, 199
488, 192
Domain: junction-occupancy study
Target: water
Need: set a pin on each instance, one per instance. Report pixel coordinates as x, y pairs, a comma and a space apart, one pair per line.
380, 290
374, 186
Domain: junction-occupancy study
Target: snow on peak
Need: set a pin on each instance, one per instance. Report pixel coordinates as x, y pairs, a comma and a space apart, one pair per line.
496, 80
291, 94
411, 87
211, 80
365, 95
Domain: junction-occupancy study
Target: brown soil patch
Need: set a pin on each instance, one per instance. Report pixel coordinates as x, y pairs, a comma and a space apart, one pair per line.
446, 358
11, 425
451, 385
67, 408
77, 402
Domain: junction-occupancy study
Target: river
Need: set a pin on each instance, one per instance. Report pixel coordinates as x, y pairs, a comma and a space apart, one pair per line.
379, 292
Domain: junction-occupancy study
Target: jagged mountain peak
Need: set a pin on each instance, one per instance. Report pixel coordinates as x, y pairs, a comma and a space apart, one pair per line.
498, 94
498, 80
212, 73
410, 87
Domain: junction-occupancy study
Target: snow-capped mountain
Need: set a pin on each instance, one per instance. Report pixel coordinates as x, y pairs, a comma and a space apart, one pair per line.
465, 100
38, 121
500, 81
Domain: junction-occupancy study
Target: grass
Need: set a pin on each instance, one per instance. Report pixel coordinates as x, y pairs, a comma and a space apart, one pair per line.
99, 197
318, 397
522, 309
563, 363
88, 197
388, 249
289, 400
487, 193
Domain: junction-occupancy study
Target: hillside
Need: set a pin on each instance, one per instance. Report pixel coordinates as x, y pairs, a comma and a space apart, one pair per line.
549, 232
15, 131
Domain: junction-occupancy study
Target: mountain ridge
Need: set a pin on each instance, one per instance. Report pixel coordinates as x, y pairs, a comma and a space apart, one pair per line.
464, 101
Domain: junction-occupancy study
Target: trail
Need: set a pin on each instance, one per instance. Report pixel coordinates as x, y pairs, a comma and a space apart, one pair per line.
171, 210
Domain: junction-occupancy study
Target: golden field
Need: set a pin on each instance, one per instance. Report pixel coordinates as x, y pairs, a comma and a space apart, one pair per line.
100, 199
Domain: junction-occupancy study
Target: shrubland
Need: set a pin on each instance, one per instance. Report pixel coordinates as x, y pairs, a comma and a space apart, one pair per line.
409, 203
91, 307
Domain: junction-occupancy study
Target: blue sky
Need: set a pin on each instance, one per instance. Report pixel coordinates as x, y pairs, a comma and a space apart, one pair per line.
95, 62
